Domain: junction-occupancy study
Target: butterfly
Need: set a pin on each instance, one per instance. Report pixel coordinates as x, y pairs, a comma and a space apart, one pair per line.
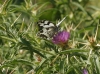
48, 29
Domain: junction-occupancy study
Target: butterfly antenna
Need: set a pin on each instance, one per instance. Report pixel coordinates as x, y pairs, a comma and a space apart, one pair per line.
61, 21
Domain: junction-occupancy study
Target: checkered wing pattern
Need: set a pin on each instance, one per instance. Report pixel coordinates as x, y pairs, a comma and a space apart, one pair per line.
47, 29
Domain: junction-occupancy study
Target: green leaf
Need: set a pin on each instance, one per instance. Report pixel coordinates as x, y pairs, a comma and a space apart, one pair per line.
97, 64
73, 50
9, 39
30, 48
79, 6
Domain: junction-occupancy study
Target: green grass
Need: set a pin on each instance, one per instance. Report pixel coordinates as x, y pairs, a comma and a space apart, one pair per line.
23, 52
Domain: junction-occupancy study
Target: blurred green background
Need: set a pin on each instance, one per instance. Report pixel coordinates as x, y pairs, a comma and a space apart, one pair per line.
23, 52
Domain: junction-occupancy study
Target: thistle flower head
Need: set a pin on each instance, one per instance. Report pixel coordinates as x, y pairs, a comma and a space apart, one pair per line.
84, 71
61, 37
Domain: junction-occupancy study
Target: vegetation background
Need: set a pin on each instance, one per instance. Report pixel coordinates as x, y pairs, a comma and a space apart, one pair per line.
22, 52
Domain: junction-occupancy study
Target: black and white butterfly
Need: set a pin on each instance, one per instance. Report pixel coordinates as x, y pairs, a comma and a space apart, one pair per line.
48, 29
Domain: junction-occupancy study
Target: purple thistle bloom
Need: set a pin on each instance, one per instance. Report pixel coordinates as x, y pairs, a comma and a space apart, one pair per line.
84, 71
61, 37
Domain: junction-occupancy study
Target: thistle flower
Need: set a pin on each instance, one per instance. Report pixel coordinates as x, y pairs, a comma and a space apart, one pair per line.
61, 38
84, 71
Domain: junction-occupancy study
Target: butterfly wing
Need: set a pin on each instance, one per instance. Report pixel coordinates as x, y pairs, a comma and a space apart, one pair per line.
46, 29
